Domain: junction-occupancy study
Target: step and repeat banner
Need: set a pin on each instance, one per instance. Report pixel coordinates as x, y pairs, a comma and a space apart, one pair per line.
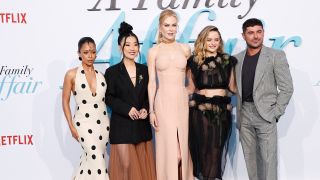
38, 44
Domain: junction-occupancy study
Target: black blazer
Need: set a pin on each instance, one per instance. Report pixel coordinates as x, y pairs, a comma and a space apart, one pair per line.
121, 96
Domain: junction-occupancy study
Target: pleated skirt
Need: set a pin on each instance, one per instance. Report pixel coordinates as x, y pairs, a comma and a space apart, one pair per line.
141, 164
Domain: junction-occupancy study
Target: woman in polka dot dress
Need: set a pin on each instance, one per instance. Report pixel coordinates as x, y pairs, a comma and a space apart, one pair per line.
90, 125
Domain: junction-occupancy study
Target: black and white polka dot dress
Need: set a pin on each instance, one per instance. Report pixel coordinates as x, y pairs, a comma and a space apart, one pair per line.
92, 123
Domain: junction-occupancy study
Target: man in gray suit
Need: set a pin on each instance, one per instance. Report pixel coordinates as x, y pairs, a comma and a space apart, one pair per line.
264, 90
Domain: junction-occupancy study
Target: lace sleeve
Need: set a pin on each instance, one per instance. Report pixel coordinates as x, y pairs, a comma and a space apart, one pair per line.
191, 70
193, 66
233, 61
232, 82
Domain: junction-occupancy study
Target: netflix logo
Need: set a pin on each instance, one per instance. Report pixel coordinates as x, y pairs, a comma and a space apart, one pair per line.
13, 18
16, 140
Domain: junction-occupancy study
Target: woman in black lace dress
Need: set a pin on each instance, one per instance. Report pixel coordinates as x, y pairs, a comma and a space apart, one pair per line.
211, 79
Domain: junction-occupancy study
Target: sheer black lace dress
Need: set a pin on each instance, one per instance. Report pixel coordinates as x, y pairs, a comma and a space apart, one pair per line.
210, 117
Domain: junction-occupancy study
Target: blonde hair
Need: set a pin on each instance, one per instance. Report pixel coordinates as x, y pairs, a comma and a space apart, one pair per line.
200, 44
164, 15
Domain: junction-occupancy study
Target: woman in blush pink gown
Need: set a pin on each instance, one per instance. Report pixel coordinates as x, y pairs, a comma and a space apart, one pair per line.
169, 101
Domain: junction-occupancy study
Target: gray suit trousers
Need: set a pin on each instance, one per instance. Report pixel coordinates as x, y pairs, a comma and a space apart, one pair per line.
259, 143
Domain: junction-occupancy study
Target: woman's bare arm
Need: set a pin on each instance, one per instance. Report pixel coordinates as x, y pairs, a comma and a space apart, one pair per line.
68, 85
152, 86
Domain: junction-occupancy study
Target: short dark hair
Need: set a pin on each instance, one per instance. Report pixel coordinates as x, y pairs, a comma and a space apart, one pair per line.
250, 23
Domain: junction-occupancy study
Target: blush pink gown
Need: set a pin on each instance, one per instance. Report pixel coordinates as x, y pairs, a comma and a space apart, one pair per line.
171, 107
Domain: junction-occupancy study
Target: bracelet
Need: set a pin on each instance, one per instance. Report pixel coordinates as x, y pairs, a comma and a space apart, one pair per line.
150, 112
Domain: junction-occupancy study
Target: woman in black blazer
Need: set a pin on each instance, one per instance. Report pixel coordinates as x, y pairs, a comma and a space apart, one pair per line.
131, 155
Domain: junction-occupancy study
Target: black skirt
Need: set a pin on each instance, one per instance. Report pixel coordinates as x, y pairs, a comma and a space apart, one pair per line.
210, 123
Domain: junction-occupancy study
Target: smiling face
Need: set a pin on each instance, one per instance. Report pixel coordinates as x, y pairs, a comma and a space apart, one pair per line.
212, 43
130, 48
168, 28
88, 53
253, 35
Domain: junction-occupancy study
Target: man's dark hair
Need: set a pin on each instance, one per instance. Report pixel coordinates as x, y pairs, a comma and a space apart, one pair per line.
250, 23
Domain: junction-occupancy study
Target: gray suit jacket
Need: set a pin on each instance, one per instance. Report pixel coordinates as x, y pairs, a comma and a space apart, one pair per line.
272, 88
